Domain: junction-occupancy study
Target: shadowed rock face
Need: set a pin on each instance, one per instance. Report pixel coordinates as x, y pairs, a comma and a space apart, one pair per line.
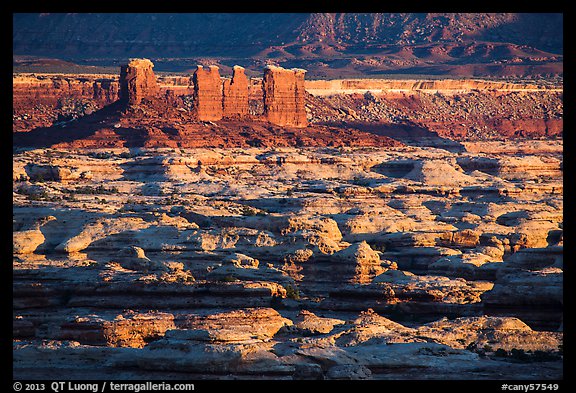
137, 81
284, 96
208, 93
235, 94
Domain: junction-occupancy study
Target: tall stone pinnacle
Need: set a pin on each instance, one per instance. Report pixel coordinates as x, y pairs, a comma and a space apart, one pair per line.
284, 96
137, 81
235, 102
207, 93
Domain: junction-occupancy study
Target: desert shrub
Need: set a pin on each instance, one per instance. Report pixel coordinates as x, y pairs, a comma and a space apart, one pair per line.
292, 293
38, 197
101, 155
88, 190
519, 354
542, 356
358, 181
248, 211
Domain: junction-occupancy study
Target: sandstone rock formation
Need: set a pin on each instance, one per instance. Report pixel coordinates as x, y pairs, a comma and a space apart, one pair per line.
27, 240
235, 94
284, 96
311, 324
145, 245
129, 329
37, 172
421, 112
234, 326
438, 173
137, 81
516, 287
263, 262
33, 89
495, 333
370, 325
358, 263
207, 93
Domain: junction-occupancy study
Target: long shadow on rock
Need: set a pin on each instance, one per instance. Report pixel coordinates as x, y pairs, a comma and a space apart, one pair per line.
78, 129
409, 133
147, 170
60, 230
396, 169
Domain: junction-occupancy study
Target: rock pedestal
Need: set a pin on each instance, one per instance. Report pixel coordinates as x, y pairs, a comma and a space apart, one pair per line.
235, 100
137, 81
284, 96
357, 263
207, 93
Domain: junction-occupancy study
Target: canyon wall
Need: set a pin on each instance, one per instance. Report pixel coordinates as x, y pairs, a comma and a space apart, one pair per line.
207, 93
47, 89
137, 81
33, 90
284, 96
36, 89
176, 85
446, 86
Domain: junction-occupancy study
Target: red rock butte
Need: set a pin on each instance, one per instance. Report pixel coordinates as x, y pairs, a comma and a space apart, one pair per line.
284, 96
283, 92
340, 112
137, 81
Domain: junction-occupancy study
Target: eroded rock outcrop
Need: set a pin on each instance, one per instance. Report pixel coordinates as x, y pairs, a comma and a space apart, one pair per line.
491, 333
27, 241
358, 263
235, 94
249, 263
57, 173
310, 324
130, 329
137, 81
234, 326
284, 96
537, 289
207, 93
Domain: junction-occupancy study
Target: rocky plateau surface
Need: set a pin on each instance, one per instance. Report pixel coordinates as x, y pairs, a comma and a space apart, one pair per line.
397, 262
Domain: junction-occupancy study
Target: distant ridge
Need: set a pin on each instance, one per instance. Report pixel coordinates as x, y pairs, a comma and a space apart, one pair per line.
374, 43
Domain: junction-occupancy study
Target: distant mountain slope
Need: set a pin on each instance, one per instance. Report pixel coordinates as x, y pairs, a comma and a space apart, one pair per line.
344, 44
541, 31
113, 35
